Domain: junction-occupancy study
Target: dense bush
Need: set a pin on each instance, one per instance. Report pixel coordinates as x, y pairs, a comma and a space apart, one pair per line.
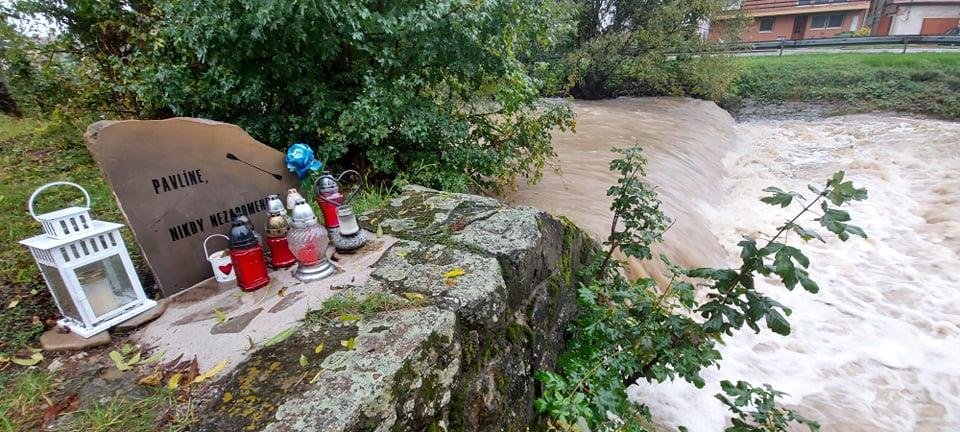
430, 91
641, 48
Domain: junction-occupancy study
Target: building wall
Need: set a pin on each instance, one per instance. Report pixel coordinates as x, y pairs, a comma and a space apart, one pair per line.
908, 19
783, 27
848, 19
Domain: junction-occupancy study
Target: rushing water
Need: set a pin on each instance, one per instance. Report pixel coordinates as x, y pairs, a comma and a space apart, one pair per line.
879, 347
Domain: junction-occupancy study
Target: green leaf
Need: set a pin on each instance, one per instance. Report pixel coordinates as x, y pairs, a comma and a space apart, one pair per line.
777, 322
33, 360
349, 344
303, 361
280, 337
155, 357
808, 284
806, 234
119, 361
779, 197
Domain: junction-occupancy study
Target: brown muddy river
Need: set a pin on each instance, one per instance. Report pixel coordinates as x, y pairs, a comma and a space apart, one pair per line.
879, 347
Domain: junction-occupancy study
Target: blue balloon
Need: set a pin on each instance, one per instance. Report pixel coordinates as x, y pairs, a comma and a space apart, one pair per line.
301, 161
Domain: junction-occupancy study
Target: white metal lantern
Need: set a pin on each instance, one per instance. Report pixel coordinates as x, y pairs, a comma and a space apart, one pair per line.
86, 267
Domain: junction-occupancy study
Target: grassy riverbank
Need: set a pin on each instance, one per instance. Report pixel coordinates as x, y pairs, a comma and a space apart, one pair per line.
922, 83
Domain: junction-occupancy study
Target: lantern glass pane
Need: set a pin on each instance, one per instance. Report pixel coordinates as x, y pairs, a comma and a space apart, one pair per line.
106, 284
60, 292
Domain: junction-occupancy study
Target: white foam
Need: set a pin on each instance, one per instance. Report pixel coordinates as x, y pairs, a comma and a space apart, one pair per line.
879, 347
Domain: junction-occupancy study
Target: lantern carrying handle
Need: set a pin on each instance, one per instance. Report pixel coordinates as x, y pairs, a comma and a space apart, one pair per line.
349, 197
50, 185
206, 253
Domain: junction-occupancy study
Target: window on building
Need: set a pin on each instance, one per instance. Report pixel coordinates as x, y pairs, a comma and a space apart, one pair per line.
825, 21
766, 25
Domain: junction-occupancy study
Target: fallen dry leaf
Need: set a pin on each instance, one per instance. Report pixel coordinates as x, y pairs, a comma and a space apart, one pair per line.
316, 377
13, 304
318, 349
119, 361
154, 358
153, 380
219, 315
68, 404
33, 360
414, 297
210, 373
303, 360
174, 382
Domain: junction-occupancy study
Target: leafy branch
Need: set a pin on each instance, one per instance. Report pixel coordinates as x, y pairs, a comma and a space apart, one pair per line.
628, 330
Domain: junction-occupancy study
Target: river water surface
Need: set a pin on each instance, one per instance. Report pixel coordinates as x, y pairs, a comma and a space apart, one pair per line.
879, 347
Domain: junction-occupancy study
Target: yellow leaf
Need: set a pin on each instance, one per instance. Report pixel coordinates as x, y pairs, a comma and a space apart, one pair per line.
119, 361
174, 382
282, 292
303, 360
219, 315
349, 318
34, 359
414, 297
13, 304
454, 273
210, 373
379, 231
6, 359
152, 380
318, 349
349, 343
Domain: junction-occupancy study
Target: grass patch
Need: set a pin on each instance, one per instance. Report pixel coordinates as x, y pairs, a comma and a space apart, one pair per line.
348, 307
159, 412
22, 396
34, 152
923, 83
28, 394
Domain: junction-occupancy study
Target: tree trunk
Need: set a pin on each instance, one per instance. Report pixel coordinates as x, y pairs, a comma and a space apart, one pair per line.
8, 105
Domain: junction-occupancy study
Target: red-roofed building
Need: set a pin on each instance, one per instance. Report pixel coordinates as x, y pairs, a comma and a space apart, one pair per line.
770, 20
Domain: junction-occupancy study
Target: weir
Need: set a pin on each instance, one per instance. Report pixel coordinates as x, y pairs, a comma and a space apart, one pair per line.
876, 348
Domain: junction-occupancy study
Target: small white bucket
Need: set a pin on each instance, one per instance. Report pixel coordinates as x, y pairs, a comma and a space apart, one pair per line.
220, 262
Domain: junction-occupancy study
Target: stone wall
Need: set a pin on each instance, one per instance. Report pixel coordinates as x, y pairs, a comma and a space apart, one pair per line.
435, 350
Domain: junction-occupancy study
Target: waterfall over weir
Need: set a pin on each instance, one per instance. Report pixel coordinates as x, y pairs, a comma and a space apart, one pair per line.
879, 347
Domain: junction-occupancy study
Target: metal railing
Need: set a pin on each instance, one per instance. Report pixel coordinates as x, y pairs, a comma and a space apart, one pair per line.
904, 40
